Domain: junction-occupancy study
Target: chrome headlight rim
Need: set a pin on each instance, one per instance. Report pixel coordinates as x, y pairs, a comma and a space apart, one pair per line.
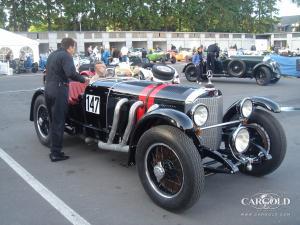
237, 136
193, 114
246, 113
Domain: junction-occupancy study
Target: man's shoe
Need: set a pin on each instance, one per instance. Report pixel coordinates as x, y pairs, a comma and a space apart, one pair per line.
60, 157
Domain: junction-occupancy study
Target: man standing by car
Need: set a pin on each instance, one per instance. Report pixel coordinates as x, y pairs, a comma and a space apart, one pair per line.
212, 53
60, 69
197, 60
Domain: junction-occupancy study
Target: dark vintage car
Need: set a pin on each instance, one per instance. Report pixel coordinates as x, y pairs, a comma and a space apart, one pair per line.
175, 134
263, 69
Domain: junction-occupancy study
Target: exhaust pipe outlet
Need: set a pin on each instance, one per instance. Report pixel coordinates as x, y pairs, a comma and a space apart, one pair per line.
113, 147
113, 131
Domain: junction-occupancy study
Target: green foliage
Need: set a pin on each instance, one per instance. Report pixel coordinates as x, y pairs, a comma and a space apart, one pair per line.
160, 15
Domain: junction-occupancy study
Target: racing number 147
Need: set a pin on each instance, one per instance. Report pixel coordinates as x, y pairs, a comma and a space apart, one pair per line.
92, 104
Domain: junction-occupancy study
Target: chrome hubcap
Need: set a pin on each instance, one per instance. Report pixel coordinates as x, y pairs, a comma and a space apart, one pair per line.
159, 171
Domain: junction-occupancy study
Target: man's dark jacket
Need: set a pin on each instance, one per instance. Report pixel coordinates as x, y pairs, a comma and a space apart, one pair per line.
61, 69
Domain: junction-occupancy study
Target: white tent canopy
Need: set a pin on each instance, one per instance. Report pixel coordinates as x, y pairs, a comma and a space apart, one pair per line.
16, 42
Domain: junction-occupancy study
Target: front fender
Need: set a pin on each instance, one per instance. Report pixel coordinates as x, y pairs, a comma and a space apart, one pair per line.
38, 92
257, 102
184, 68
160, 117
257, 66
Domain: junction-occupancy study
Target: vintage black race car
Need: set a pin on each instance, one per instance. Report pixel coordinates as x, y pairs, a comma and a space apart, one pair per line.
264, 70
175, 134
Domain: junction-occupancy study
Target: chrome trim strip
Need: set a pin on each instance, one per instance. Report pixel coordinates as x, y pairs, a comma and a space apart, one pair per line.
194, 95
221, 124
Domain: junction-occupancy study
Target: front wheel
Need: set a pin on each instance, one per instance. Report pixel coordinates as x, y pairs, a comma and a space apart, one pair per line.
173, 60
41, 120
275, 80
266, 132
170, 168
263, 76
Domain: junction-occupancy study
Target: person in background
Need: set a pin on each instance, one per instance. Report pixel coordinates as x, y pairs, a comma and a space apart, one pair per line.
90, 50
60, 70
8, 56
105, 56
213, 52
158, 48
124, 54
144, 56
100, 69
115, 56
198, 62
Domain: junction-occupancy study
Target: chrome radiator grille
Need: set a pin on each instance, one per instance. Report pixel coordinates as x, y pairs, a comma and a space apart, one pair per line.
211, 138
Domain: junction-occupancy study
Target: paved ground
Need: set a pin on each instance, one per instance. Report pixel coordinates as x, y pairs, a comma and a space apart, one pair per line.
103, 191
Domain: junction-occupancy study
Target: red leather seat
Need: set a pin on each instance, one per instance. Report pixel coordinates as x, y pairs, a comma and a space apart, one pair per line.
75, 90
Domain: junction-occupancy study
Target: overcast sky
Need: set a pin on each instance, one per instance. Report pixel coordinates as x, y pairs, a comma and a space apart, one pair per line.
286, 8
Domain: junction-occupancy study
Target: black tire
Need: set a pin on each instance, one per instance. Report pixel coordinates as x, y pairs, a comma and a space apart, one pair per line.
41, 120
190, 73
175, 153
163, 72
263, 76
162, 60
276, 144
34, 70
236, 68
173, 60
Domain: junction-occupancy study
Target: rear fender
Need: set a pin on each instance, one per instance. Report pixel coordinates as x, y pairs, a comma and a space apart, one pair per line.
161, 117
257, 102
38, 92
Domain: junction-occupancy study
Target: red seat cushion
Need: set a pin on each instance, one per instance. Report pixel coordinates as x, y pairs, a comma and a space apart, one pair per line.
75, 90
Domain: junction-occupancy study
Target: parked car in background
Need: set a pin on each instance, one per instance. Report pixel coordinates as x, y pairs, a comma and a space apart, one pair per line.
185, 54
135, 52
264, 69
158, 56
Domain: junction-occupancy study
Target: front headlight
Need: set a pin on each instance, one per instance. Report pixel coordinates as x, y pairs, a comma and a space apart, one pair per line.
241, 139
200, 114
246, 107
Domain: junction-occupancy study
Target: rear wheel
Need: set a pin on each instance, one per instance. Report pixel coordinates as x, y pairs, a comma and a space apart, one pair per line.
263, 76
173, 60
236, 68
190, 73
170, 168
41, 120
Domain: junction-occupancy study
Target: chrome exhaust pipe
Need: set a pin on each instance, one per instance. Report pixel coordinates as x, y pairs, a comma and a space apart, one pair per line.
121, 147
131, 120
113, 131
113, 147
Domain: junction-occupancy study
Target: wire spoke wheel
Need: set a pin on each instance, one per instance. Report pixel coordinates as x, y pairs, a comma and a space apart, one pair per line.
43, 123
164, 170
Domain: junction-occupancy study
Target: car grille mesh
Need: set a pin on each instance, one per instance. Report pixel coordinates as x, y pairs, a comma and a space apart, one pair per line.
211, 138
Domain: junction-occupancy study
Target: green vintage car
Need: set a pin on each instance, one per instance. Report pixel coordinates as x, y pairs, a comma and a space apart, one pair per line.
158, 56
264, 69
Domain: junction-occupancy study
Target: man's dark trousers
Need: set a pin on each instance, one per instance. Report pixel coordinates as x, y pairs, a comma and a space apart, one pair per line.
57, 104
211, 58
199, 71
